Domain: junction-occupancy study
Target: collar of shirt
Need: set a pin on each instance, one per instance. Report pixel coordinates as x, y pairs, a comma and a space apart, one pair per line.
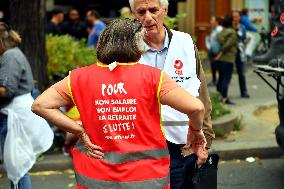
154, 57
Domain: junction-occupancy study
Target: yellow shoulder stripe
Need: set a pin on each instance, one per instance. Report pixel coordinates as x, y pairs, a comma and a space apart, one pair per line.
70, 88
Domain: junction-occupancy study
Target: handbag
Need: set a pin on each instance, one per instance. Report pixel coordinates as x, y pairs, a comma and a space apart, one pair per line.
203, 177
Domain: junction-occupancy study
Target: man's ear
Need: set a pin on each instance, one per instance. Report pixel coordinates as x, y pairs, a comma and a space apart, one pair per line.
166, 11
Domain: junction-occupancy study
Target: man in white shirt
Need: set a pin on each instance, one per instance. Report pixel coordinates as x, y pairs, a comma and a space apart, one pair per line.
174, 51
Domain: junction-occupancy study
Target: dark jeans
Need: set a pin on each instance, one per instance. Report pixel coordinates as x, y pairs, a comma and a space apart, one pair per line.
176, 168
25, 181
225, 76
214, 68
241, 72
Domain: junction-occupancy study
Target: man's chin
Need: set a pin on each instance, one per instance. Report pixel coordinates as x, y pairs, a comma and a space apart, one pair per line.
151, 33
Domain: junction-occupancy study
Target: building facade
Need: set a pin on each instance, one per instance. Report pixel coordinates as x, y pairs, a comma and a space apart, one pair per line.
199, 12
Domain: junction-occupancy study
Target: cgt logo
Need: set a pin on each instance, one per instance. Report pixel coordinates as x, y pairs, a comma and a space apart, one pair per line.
178, 67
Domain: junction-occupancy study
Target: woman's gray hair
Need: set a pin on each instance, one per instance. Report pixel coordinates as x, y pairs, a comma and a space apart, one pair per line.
119, 42
164, 3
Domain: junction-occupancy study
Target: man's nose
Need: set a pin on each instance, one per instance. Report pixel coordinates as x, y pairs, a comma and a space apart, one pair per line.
148, 18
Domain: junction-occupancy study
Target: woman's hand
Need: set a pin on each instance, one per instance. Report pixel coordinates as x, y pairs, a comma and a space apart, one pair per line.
218, 56
93, 151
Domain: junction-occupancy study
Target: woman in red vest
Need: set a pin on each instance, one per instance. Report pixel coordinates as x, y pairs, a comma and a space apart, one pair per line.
122, 143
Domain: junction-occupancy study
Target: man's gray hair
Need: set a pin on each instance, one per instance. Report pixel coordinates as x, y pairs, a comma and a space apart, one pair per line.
164, 3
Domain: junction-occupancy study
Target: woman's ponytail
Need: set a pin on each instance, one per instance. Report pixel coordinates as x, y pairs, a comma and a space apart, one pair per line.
15, 37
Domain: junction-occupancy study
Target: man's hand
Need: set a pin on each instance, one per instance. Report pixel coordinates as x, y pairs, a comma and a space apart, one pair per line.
197, 141
196, 137
93, 151
201, 153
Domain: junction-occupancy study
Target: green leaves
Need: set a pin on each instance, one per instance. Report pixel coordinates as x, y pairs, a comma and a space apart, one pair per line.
218, 108
172, 22
65, 54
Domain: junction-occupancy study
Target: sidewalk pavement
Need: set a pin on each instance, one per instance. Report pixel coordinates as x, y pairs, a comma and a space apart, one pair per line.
256, 139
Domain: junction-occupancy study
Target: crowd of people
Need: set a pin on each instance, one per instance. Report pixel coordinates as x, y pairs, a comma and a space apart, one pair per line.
88, 28
231, 45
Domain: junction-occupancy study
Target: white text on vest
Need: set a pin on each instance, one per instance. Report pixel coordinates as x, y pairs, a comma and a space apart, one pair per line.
113, 89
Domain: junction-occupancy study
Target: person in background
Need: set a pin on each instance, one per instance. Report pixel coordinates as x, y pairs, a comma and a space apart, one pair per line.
93, 18
12, 82
252, 33
241, 56
74, 26
125, 12
175, 53
124, 147
246, 21
20, 129
213, 46
54, 25
227, 57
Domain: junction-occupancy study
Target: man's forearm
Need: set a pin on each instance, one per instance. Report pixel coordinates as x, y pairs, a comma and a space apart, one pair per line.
205, 98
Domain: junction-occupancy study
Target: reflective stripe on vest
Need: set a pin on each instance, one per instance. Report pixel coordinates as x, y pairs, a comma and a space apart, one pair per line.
175, 123
119, 158
101, 184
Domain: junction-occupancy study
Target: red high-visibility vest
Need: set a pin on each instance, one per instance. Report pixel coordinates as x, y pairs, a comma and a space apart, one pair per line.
120, 111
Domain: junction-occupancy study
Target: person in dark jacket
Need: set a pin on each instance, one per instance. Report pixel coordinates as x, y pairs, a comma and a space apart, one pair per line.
241, 56
54, 26
226, 58
74, 26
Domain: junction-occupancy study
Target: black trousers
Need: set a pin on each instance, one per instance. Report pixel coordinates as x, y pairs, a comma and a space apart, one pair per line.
241, 73
214, 69
225, 76
177, 177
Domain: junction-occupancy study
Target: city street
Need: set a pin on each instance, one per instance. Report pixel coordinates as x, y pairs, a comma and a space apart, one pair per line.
236, 174
261, 174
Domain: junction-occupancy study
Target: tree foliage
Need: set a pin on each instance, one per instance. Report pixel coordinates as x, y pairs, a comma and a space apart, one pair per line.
65, 54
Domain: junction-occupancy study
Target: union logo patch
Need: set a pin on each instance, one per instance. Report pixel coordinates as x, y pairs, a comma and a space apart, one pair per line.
178, 67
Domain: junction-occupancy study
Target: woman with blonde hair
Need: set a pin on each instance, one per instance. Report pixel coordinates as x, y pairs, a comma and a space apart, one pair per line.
21, 139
